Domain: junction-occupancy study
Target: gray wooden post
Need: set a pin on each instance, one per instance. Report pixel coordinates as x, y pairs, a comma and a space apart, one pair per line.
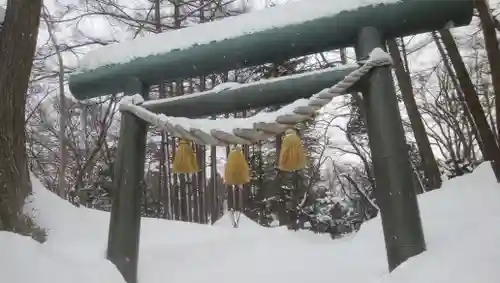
125, 221
394, 190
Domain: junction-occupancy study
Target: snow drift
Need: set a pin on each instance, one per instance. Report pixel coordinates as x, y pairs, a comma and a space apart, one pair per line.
460, 223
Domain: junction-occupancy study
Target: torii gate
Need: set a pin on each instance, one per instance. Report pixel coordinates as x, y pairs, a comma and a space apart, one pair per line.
258, 38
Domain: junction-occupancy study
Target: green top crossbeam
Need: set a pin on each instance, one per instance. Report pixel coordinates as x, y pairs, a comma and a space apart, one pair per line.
273, 42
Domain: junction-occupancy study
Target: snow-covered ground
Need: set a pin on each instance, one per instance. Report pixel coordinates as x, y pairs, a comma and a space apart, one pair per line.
460, 222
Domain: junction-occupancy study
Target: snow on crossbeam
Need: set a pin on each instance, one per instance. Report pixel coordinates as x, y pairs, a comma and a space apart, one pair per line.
271, 35
294, 13
231, 97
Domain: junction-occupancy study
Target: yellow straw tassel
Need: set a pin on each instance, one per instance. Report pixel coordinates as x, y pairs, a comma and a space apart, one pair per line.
237, 171
185, 159
292, 156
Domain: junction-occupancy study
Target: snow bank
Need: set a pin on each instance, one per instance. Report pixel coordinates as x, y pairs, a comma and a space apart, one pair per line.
23, 260
459, 222
461, 231
243, 222
247, 226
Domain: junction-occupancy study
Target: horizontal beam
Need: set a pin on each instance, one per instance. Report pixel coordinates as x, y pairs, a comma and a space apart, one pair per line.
212, 54
259, 94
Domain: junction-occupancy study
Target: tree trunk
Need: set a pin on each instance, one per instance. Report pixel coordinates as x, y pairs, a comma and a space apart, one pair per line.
18, 37
190, 187
491, 150
61, 190
183, 207
431, 170
163, 195
245, 192
492, 49
201, 184
195, 196
213, 195
459, 93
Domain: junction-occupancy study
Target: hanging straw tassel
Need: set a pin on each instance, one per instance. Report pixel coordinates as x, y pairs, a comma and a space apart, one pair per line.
237, 171
185, 159
292, 156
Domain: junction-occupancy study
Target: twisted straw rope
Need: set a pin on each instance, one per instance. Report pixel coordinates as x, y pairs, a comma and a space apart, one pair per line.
261, 130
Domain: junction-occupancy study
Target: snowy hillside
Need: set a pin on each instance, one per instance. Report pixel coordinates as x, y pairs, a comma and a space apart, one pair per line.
460, 222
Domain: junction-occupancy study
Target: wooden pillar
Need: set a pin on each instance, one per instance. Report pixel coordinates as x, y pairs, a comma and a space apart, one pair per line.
394, 186
125, 219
